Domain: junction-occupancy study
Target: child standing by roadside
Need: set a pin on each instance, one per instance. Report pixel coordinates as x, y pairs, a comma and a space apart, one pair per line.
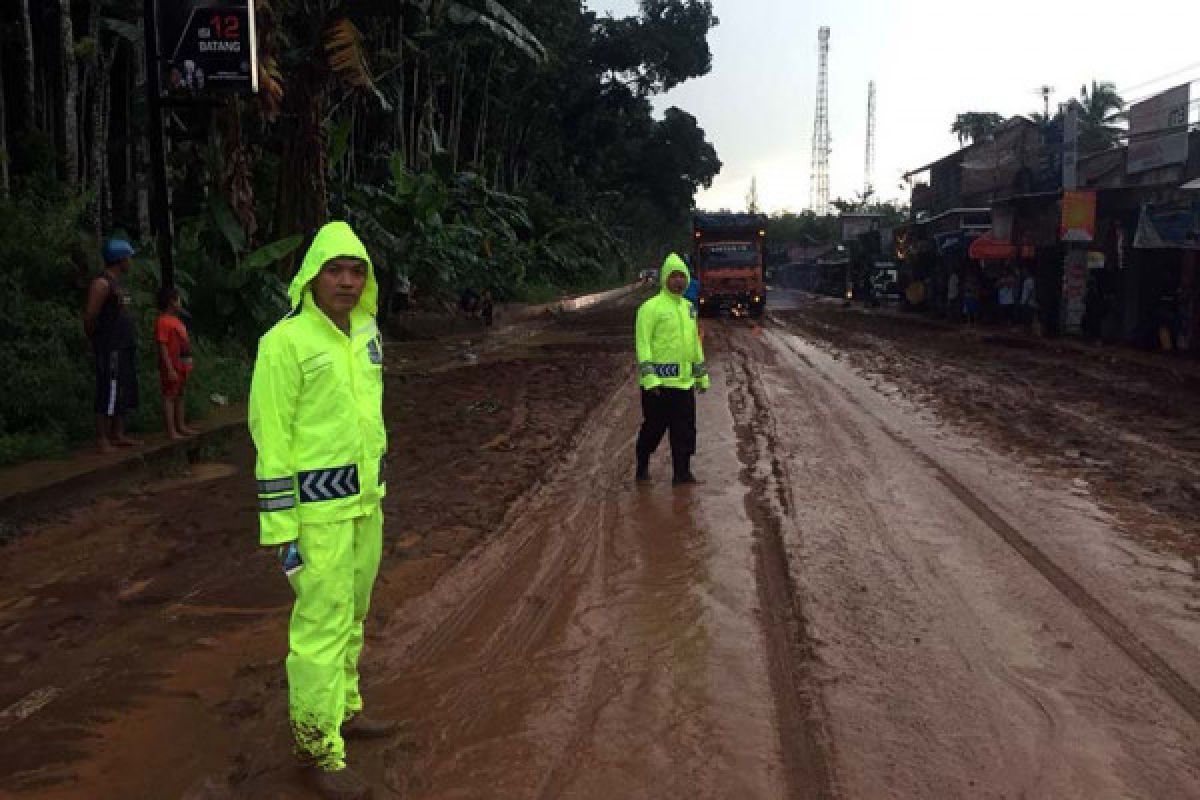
174, 361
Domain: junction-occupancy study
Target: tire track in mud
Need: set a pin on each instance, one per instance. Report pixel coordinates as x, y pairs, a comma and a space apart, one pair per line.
805, 741
1175, 685
501, 606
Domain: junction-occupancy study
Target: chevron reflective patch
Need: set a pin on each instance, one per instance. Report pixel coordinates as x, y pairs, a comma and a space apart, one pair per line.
334, 483
666, 370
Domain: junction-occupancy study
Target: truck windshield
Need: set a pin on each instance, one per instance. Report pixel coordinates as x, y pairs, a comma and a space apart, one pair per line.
721, 255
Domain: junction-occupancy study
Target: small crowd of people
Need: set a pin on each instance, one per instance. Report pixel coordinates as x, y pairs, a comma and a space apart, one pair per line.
1008, 298
111, 326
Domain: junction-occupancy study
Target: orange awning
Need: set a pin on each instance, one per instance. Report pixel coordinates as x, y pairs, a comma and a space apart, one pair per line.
988, 248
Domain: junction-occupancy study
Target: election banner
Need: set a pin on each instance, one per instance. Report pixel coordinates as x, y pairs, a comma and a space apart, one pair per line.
1078, 216
206, 46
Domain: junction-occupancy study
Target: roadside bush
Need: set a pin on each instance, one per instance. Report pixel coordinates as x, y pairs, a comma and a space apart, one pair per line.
46, 260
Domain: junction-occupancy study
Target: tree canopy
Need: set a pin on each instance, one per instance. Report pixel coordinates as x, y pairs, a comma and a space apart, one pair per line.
975, 126
501, 143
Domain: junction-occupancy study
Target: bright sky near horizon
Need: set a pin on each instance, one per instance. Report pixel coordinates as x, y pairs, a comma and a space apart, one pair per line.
929, 59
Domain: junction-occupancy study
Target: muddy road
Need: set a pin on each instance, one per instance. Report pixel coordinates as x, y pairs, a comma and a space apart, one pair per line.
864, 597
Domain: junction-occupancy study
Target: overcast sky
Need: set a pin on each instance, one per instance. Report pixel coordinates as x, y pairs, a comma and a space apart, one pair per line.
930, 59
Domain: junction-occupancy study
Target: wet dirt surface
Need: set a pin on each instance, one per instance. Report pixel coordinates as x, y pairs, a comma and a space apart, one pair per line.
866, 597
977, 633
148, 622
1123, 425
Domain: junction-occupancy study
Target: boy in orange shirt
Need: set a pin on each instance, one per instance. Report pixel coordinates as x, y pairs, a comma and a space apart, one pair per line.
174, 361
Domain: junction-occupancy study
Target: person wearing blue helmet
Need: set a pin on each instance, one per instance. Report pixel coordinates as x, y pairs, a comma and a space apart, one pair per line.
110, 326
692, 292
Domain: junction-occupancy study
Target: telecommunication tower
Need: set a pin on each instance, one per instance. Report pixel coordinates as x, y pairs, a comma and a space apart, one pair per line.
818, 186
869, 171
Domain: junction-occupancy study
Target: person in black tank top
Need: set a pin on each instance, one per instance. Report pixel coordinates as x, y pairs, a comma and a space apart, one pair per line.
112, 329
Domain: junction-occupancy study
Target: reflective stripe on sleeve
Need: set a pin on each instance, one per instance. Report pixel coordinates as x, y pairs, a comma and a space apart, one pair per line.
281, 503
275, 485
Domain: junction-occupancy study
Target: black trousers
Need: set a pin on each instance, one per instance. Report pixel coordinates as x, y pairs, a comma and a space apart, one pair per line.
674, 410
116, 382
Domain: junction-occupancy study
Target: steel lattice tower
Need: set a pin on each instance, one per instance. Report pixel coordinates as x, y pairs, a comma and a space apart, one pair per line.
869, 171
818, 186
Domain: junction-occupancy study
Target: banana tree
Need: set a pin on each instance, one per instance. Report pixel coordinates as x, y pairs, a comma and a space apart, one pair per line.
334, 54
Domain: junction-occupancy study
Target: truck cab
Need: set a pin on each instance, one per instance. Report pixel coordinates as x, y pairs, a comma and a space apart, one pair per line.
728, 257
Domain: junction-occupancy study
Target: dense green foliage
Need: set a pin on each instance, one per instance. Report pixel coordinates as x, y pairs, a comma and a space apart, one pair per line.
48, 259
470, 142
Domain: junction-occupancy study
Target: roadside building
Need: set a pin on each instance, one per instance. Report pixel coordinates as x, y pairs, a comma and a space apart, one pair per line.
1116, 258
952, 203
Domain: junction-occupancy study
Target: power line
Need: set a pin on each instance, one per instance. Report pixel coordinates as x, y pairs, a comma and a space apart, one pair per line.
1159, 78
1137, 100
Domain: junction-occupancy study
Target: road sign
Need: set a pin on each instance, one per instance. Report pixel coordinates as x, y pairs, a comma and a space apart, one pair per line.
206, 47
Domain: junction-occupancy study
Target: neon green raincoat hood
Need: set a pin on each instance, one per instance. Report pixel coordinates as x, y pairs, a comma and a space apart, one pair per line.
335, 240
672, 263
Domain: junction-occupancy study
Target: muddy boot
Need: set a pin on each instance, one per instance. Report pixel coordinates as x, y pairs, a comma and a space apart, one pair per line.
682, 470
361, 726
643, 469
340, 784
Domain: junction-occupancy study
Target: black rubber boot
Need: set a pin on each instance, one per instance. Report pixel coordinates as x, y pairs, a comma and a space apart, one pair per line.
361, 726
340, 784
643, 470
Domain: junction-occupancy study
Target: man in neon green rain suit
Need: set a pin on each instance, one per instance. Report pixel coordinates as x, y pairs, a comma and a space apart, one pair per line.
316, 415
670, 366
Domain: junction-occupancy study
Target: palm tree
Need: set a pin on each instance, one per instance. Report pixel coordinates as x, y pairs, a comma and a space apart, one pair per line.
69, 75
3, 139
334, 51
1100, 111
28, 96
975, 126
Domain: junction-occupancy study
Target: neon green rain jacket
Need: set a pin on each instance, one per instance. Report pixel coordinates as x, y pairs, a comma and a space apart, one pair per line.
316, 405
669, 352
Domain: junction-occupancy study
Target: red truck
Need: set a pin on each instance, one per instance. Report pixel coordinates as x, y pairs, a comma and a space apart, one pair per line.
728, 257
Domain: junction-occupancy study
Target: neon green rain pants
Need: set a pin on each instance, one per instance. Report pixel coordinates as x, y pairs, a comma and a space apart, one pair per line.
325, 638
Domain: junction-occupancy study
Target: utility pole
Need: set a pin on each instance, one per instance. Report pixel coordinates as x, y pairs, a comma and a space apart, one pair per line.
160, 196
818, 186
1046, 91
869, 169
